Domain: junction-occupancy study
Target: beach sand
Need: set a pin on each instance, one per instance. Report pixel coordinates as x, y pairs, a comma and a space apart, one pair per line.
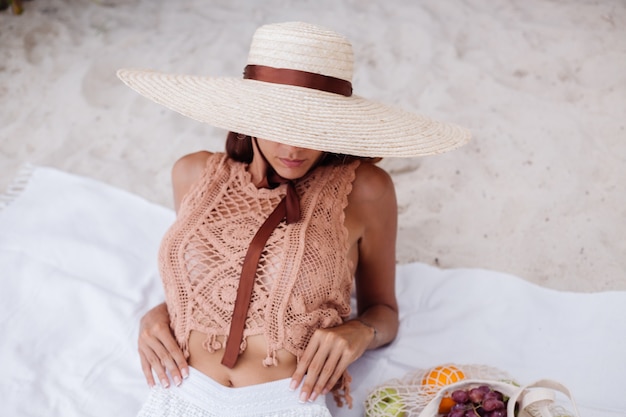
540, 192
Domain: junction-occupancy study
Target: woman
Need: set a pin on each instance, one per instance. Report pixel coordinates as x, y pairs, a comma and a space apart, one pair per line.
271, 237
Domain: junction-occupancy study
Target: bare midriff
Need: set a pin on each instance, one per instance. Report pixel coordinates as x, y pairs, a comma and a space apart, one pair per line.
249, 369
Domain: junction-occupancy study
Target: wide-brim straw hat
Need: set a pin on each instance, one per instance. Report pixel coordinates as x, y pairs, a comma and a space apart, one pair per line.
297, 90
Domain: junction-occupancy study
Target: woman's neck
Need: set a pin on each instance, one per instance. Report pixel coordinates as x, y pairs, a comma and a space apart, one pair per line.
258, 171
259, 168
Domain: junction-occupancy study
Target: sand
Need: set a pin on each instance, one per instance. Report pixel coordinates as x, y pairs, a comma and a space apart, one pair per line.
540, 192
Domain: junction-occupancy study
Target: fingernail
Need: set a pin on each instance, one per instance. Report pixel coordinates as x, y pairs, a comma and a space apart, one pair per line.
177, 381
312, 397
293, 385
185, 373
303, 397
165, 383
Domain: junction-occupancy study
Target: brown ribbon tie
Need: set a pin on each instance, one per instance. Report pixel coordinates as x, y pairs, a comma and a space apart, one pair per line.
289, 209
298, 78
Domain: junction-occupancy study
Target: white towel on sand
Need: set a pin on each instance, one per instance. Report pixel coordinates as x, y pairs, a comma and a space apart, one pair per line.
78, 269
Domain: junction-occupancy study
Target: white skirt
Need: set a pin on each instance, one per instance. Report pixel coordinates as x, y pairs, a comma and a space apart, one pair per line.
201, 396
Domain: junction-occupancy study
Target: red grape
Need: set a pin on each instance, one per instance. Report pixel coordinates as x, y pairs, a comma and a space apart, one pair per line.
491, 404
476, 395
460, 396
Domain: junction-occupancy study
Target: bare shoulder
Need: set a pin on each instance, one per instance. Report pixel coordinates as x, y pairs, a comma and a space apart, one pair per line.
190, 166
371, 184
372, 202
186, 171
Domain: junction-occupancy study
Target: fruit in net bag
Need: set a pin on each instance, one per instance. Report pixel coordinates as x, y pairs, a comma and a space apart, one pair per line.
482, 401
441, 376
385, 402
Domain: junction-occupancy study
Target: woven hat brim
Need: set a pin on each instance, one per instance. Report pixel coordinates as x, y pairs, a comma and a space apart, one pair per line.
298, 116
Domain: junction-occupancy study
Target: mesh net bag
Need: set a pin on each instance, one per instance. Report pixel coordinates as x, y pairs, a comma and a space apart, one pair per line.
409, 395
426, 393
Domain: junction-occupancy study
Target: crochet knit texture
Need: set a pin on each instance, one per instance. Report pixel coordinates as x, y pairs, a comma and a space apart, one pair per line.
303, 279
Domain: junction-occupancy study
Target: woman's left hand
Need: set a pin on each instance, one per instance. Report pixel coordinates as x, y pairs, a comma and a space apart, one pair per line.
328, 355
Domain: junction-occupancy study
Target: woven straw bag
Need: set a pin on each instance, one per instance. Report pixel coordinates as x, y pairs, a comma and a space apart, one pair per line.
411, 397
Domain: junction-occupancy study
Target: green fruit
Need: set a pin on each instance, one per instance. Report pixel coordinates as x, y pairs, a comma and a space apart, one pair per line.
385, 402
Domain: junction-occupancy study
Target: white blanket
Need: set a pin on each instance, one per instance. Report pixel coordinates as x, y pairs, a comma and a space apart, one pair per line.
78, 269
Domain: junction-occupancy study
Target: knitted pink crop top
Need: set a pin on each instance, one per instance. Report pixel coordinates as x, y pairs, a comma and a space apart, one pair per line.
303, 278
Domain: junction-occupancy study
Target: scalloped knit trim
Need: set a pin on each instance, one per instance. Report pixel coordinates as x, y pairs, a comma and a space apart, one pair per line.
17, 185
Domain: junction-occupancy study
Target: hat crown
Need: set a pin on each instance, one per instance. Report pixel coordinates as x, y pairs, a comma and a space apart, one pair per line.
304, 47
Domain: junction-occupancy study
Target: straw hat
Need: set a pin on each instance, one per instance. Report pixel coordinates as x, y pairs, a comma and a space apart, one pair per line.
297, 90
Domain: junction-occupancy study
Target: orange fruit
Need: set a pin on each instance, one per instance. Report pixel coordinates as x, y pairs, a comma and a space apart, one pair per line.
446, 405
441, 376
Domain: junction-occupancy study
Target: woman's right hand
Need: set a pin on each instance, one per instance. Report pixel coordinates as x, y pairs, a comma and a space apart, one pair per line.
158, 349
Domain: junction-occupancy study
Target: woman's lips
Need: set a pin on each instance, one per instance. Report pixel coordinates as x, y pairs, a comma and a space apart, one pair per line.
292, 163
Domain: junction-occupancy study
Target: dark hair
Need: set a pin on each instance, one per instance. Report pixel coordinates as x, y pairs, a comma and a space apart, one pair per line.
239, 148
